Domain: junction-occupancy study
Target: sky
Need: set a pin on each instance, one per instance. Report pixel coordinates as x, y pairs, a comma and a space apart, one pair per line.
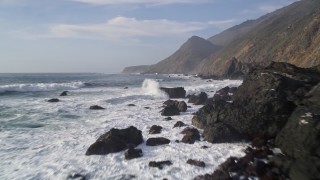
104, 36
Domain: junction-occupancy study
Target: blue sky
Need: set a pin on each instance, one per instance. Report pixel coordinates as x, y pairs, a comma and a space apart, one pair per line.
107, 35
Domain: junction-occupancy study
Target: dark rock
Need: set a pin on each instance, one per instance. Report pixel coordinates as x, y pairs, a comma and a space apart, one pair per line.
155, 129
198, 99
157, 141
220, 133
261, 105
170, 110
190, 135
96, 107
222, 94
131, 105
125, 88
179, 124
133, 153
116, 140
168, 118
177, 92
204, 147
147, 107
196, 163
64, 93
182, 106
77, 176
224, 91
160, 164
233, 90
53, 100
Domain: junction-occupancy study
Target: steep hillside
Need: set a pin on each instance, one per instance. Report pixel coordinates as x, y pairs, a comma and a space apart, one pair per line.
290, 34
187, 58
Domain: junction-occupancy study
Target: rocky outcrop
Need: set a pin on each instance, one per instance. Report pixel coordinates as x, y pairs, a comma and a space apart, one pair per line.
261, 106
116, 140
279, 103
177, 92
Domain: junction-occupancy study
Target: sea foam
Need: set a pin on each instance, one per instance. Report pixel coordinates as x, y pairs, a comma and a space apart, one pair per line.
152, 87
41, 87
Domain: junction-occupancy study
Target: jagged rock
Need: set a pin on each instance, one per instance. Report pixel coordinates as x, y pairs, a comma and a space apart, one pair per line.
116, 140
261, 105
196, 163
190, 135
155, 129
96, 107
64, 93
157, 141
177, 92
170, 110
222, 94
133, 153
198, 99
53, 100
179, 124
160, 164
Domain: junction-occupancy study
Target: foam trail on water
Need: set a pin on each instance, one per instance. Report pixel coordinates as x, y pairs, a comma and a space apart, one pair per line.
152, 87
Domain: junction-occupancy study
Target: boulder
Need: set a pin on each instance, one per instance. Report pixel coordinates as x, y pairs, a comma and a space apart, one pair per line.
181, 105
160, 164
179, 124
190, 135
170, 110
116, 140
133, 153
177, 92
96, 107
155, 129
157, 141
64, 93
196, 163
199, 99
53, 100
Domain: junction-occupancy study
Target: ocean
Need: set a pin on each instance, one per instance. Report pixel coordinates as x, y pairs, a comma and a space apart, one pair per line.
42, 140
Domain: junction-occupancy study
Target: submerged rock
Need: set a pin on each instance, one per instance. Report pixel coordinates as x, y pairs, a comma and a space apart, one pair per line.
116, 140
157, 141
159, 164
177, 92
53, 100
96, 107
196, 163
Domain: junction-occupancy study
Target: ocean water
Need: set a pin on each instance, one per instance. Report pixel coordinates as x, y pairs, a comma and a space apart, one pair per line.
42, 140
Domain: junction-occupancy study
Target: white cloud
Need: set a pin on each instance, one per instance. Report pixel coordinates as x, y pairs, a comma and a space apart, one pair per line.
121, 29
223, 24
146, 2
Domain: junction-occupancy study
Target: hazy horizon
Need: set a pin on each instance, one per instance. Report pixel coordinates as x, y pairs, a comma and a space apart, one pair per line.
104, 36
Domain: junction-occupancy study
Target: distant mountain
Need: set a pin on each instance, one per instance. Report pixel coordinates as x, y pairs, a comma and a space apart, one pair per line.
187, 58
290, 34
135, 69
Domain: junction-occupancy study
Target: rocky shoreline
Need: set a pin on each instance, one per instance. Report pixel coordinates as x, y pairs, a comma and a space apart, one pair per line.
276, 108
